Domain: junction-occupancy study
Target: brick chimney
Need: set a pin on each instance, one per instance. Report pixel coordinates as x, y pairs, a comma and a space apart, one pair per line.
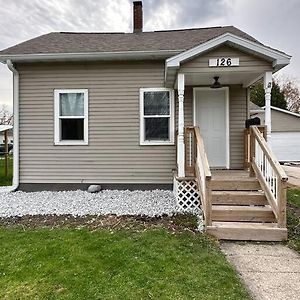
137, 16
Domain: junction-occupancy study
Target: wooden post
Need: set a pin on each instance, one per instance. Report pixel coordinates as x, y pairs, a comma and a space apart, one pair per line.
282, 186
246, 149
208, 221
5, 153
252, 152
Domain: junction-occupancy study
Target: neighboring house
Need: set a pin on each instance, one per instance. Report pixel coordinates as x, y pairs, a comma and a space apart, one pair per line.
10, 136
105, 107
285, 138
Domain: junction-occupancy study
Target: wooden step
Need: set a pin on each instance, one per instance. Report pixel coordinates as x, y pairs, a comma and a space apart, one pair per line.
236, 213
230, 184
239, 198
247, 231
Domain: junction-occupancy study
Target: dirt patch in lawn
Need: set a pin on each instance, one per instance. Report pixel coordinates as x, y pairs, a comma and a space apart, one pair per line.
177, 223
295, 210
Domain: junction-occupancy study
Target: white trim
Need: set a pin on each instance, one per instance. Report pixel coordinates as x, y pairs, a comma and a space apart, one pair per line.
180, 136
118, 55
277, 57
226, 89
57, 140
283, 111
16, 132
143, 142
276, 108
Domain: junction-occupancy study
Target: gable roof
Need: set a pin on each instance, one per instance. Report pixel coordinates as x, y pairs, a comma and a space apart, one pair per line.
257, 109
173, 41
5, 127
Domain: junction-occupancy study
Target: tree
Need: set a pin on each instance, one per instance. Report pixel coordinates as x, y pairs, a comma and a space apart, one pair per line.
291, 93
6, 117
257, 95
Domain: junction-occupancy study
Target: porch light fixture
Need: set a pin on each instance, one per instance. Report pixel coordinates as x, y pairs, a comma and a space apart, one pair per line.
216, 84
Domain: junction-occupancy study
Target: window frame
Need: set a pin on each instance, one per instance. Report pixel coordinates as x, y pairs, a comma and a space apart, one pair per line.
57, 118
144, 142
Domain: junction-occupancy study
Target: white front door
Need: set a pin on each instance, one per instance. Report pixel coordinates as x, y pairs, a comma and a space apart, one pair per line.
211, 115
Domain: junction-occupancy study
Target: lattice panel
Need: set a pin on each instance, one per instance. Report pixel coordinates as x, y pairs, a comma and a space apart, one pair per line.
187, 196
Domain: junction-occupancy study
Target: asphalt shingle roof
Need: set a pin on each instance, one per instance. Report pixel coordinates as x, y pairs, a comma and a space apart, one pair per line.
71, 42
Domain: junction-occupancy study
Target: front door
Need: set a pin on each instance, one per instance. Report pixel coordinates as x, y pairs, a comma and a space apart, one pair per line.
211, 115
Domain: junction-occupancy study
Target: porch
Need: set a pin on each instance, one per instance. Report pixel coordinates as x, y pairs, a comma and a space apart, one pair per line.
228, 170
247, 204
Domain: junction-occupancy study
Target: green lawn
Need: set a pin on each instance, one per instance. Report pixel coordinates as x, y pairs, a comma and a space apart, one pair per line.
293, 218
72, 263
6, 180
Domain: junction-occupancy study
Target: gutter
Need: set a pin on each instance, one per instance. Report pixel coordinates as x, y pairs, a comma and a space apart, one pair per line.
119, 55
16, 178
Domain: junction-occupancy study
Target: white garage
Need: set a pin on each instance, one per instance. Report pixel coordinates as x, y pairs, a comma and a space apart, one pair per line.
286, 145
285, 137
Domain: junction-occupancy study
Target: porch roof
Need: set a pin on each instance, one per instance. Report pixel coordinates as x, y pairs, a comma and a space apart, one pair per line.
276, 59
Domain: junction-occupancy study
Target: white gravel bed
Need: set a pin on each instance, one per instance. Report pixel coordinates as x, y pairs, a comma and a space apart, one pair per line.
80, 203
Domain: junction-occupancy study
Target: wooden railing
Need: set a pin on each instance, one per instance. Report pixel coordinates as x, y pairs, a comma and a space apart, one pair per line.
203, 176
270, 174
263, 130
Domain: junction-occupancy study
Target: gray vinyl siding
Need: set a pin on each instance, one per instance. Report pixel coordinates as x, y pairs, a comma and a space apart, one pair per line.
237, 117
113, 154
248, 63
281, 122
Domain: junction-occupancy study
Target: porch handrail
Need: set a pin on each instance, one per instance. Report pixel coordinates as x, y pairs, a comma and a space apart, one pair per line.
270, 174
203, 176
262, 129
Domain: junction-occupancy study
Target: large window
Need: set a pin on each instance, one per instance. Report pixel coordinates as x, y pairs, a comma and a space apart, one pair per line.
156, 116
71, 117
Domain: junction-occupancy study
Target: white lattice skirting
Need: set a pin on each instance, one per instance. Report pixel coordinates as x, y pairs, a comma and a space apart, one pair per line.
187, 196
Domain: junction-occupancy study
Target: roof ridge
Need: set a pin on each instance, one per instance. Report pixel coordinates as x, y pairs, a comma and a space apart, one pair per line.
84, 32
121, 32
195, 28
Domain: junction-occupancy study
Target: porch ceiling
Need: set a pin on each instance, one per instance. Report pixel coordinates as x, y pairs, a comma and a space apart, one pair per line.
226, 78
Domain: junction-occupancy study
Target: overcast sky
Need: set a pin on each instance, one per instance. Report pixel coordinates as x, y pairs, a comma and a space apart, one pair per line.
273, 22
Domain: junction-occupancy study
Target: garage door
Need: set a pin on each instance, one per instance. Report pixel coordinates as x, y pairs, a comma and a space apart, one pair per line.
286, 145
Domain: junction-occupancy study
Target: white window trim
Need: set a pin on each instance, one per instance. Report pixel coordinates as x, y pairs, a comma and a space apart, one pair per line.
142, 125
57, 140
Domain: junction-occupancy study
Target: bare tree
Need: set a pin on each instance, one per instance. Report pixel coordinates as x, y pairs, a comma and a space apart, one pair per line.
6, 117
291, 91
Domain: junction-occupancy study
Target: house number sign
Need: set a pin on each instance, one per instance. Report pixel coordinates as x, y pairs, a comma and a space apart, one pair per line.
224, 62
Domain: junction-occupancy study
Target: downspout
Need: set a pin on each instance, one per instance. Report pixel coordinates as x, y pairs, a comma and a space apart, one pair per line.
16, 177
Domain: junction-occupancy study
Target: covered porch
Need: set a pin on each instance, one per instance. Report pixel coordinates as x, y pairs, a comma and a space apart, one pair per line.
227, 170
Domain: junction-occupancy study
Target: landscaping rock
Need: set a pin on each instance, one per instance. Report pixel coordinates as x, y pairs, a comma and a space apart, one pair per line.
80, 203
94, 188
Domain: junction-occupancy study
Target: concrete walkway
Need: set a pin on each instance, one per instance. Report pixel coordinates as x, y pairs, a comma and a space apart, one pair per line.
271, 272
294, 176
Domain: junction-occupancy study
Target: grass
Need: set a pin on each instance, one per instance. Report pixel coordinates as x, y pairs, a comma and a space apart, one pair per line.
70, 263
293, 218
3, 179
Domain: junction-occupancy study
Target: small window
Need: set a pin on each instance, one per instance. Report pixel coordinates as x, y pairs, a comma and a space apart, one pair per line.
157, 116
71, 117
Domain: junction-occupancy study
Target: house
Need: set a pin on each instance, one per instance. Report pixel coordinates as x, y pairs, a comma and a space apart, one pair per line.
124, 110
9, 130
285, 141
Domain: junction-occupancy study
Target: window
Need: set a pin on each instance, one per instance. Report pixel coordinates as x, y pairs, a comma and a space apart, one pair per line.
71, 117
156, 116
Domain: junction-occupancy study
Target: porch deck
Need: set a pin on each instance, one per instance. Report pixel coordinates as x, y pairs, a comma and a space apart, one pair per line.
229, 174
